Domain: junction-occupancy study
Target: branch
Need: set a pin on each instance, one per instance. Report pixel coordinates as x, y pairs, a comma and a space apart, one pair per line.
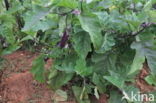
19, 21
143, 25
81, 2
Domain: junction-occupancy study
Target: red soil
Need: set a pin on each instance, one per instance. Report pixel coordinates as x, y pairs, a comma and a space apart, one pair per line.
18, 85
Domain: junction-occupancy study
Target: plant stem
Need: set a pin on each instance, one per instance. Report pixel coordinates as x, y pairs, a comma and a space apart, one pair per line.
7, 4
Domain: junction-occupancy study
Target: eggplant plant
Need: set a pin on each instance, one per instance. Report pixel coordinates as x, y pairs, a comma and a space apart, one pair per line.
97, 46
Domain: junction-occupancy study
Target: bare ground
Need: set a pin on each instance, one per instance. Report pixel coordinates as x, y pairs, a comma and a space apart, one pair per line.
17, 83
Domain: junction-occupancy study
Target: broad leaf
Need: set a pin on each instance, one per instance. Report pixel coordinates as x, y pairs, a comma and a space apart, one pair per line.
60, 79
137, 63
107, 43
115, 80
66, 64
82, 44
103, 63
148, 50
82, 69
34, 20
92, 26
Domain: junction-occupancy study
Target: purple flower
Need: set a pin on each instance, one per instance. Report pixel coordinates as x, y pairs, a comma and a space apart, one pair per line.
76, 12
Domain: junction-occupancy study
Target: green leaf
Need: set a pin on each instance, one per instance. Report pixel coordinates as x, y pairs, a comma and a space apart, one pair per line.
137, 63
82, 69
115, 80
77, 93
66, 3
106, 4
82, 44
152, 14
34, 20
92, 26
28, 37
66, 64
7, 22
9, 49
148, 5
44, 3
38, 69
89, 1
52, 74
103, 63
147, 49
127, 93
15, 6
150, 79
103, 17
99, 82
62, 24
115, 97
108, 43
60, 79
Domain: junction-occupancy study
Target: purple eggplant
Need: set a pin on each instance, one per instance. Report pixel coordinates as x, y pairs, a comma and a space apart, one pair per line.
64, 39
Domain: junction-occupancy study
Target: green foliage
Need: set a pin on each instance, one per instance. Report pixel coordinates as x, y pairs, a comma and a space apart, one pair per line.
151, 80
80, 94
38, 69
82, 69
91, 25
82, 44
95, 44
59, 80
35, 20
66, 3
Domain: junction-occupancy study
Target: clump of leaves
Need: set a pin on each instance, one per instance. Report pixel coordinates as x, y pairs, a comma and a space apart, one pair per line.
98, 43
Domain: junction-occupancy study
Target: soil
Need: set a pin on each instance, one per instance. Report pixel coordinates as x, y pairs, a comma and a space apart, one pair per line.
18, 86
17, 83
